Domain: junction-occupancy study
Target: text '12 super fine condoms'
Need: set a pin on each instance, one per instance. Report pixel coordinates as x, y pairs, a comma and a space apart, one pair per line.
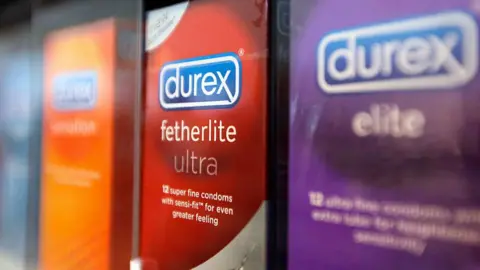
384, 136
203, 185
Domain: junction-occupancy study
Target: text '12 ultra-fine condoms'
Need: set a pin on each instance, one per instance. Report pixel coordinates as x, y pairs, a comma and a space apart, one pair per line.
384, 138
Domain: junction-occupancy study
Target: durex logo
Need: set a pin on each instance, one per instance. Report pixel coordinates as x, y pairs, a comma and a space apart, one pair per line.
75, 91
437, 51
210, 82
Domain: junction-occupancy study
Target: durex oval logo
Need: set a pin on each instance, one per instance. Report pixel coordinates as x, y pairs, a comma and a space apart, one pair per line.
209, 82
75, 91
438, 51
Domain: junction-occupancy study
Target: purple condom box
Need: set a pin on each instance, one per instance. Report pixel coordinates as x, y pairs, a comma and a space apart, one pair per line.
384, 135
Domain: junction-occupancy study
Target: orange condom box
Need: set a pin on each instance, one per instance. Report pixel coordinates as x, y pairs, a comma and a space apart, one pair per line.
87, 166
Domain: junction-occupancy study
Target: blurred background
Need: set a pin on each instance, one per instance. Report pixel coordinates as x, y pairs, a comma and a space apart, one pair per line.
63, 141
35, 40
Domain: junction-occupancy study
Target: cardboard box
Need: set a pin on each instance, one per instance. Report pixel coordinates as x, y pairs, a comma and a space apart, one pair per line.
204, 137
87, 172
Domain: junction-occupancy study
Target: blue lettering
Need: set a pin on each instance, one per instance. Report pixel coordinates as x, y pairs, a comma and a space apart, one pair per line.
201, 83
436, 51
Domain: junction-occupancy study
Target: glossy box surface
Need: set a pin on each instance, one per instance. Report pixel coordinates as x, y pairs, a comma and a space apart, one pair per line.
87, 178
384, 140
203, 186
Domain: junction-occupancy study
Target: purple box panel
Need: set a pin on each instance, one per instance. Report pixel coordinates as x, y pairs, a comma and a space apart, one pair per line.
384, 135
